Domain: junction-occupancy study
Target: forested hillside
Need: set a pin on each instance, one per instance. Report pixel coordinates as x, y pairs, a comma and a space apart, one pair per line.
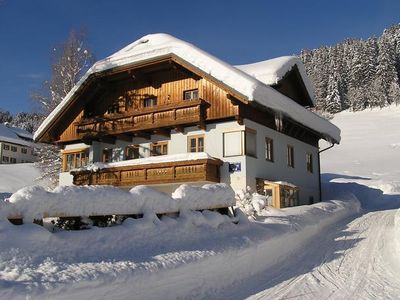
356, 74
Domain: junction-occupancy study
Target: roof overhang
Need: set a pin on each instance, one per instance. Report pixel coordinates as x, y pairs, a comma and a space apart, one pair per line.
164, 47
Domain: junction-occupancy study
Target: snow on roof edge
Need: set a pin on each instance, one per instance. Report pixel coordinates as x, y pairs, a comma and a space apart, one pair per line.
271, 71
154, 46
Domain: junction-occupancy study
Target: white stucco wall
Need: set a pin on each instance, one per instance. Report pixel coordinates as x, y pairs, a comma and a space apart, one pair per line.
213, 145
251, 167
18, 155
278, 170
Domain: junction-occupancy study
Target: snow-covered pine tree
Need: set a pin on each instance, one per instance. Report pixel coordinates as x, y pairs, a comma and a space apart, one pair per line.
27, 121
368, 72
70, 60
5, 116
333, 100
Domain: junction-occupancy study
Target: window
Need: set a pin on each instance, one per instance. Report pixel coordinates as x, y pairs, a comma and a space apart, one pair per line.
72, 160
309, 162
196, 143
160, 148
269, 149
13, 160
24, 150
233, 145
6, 159
149, 102
191, 95
241, 142
131, 152
6, 147
13, 148
251, 142
107, 155
290, 156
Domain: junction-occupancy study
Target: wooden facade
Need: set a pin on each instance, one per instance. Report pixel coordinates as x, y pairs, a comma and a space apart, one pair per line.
122, 108
156, 173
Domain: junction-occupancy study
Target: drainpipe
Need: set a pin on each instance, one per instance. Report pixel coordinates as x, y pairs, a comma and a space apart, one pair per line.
319, 169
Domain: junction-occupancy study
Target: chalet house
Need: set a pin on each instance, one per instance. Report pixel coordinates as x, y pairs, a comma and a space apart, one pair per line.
16, 145
163, 112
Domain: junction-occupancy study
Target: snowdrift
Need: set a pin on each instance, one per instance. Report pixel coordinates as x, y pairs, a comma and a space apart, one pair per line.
36, 202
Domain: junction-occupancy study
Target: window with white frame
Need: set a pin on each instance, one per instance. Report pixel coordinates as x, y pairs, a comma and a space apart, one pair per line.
233, 143
191, 95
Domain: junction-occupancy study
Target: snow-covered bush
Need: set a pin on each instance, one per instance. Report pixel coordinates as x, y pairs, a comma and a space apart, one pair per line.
250, 203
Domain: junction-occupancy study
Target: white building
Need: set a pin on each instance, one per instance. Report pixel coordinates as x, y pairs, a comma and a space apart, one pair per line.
16, 145
162, 112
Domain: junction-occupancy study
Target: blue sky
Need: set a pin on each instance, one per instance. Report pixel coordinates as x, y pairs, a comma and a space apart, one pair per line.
235, 31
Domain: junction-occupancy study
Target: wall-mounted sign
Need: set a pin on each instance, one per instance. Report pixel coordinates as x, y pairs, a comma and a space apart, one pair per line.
235, 167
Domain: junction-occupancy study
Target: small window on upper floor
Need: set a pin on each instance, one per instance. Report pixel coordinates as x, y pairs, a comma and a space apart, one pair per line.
191, 95
13, 148
149, 102
290, 156
6, 147
269, 149
131, 152
24, 150
160, 148
196, 143
309, 162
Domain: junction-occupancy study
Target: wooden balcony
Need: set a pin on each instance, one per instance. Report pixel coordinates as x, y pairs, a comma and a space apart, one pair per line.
166, 116
154, 173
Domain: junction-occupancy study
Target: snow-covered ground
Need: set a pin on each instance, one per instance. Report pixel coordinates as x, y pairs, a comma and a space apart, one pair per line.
16, 176
332, 249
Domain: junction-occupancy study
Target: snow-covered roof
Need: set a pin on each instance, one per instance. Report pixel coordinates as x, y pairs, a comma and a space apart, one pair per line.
15, 135
271, 71
156, 46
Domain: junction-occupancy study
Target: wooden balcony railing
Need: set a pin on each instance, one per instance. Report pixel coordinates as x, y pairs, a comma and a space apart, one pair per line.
154, 173
170, 115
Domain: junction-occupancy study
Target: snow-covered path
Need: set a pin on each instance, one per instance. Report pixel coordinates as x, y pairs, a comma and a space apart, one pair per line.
353, 260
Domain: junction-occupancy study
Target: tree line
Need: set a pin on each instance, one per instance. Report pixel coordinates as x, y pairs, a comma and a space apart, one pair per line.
356, 74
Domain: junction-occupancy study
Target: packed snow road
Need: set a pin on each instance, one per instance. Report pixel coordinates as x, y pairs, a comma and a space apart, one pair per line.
357, 259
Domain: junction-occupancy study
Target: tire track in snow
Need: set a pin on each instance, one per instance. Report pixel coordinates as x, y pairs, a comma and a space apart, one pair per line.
359, 272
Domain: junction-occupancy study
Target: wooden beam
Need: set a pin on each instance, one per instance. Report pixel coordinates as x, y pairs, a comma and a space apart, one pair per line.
239, 119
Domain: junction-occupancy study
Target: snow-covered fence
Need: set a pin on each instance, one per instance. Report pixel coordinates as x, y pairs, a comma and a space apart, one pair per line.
35, 203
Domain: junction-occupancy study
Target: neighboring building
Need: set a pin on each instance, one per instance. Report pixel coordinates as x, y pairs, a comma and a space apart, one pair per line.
16, 145
163, 112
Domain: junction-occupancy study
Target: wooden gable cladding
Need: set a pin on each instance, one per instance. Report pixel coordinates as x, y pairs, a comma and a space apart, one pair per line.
163, 86
292, 86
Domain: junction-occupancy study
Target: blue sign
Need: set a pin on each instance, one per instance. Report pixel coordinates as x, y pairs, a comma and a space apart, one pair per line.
235, 167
